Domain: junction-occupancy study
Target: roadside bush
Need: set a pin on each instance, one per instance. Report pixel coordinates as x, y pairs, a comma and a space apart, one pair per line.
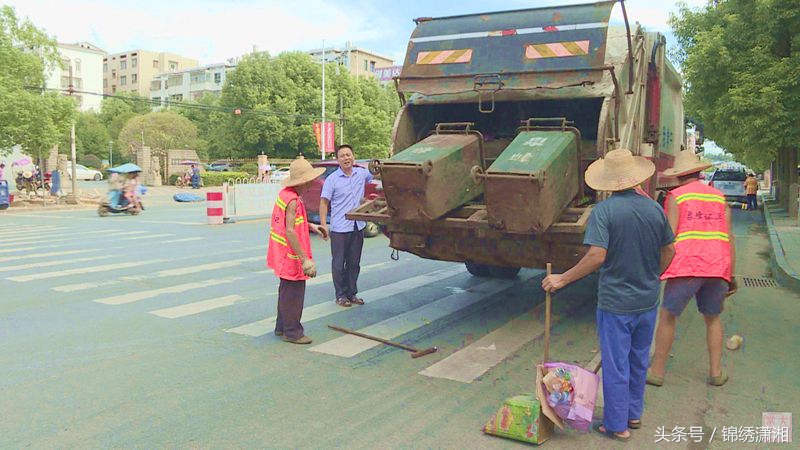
217, 178
172, 179
251, 168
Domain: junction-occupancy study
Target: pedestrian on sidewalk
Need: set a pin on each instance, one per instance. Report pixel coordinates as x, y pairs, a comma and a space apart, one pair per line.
289, 250
751, 189
631, 243
195, 177
342, 192
703, 266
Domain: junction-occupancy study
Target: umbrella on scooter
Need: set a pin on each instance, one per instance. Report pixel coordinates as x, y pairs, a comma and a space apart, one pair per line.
126, 168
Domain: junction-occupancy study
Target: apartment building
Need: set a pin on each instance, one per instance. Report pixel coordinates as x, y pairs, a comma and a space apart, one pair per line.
133, 71
190, 84
358, 61
86, 61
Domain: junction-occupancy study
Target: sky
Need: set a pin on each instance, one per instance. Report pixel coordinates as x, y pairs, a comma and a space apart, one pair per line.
214, 30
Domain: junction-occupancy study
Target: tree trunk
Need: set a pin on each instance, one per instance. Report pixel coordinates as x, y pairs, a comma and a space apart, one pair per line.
786, 175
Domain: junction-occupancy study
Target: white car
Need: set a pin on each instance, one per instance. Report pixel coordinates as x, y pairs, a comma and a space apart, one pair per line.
84, 173
731, 182
278, 175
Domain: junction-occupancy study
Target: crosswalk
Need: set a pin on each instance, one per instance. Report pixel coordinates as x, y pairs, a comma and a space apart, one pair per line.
177, 285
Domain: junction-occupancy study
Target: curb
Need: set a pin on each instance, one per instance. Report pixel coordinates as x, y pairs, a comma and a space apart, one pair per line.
781, 269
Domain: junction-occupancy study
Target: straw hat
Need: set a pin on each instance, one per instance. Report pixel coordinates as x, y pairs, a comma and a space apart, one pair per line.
686, 162
618, 171
301, 172
27, 174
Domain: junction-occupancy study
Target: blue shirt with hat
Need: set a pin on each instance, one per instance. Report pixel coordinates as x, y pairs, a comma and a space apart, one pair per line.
345, 194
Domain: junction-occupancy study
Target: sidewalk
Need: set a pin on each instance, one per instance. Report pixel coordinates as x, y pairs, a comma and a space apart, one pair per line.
784, 236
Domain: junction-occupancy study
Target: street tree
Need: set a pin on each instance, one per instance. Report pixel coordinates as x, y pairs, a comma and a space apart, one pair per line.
160, 131
31, 118
741, 63
91, 136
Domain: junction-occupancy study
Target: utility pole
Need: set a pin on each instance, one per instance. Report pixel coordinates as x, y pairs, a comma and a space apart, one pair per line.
322, 127
341, 120
72, 199
110, 153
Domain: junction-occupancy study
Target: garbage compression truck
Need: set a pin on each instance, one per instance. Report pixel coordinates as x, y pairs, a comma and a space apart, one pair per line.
502, 113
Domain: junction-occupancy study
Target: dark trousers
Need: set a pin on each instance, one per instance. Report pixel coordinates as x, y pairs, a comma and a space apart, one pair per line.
346, 250
752, 202
291, 295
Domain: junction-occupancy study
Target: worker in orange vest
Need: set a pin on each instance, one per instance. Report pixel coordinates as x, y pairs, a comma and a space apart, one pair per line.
703, 265
289, 251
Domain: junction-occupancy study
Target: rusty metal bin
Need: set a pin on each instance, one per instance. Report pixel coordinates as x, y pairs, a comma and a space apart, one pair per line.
533, 180
432, 177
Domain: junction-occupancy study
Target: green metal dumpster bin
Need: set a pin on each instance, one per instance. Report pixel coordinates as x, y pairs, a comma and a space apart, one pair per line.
535, 178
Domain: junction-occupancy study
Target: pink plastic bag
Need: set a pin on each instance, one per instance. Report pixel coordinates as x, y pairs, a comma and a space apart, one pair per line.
578, 410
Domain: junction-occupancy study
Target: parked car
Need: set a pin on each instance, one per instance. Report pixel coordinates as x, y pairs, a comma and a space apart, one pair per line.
83, 173
223, 165
277, 175
730, 180
372, 190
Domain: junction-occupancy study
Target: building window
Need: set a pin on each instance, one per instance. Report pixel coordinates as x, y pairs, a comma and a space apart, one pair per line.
78, 66
155, 64
176, 97
105, 67
123, 65
366, 65
134, 61
114, 89
173, 66
64, 82
113, 73
105, 83
78, 82
218, 78
134, 78
175, 80
123, 80
155, 85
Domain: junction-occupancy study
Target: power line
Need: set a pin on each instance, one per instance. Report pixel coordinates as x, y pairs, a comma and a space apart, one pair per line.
178, 104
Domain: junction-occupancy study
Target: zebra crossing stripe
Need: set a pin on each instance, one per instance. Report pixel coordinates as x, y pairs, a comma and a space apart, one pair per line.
177, 289
82, 270
45, 255
325, 309
67, 238
24, 231
349, 345
58, 262
472, 361
198, 307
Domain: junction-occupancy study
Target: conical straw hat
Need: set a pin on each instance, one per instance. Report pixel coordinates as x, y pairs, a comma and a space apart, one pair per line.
301, 172
618, 171
685, 163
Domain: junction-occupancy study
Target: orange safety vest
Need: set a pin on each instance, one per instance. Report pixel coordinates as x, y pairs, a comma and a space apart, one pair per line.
280, 256
702, 241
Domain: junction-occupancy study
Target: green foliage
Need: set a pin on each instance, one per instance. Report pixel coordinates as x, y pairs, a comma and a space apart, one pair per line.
217, 178
162, 131
91, 161
741, 63
250, 168
34, 120
281, 98
91, 137
116, 111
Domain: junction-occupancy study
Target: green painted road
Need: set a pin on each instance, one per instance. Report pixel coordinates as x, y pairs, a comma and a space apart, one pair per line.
155, 331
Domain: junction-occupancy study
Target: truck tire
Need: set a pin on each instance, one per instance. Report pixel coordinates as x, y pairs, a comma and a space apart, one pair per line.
503, 272
478, 270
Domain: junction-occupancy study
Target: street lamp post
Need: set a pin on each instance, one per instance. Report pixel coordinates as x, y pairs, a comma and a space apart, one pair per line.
322, 131
110, 154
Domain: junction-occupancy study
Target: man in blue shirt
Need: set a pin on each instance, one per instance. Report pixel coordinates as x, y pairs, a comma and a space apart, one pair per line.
631, 243
342, 192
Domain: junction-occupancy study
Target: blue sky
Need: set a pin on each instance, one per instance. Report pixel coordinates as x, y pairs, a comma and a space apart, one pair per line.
214, 30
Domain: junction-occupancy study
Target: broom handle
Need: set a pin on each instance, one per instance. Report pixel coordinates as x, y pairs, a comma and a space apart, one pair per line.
547, 318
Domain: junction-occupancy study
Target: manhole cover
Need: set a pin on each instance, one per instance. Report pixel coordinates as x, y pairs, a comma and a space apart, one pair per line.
759, 282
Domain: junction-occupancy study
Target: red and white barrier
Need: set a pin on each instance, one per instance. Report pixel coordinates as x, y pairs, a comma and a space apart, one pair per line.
214, 208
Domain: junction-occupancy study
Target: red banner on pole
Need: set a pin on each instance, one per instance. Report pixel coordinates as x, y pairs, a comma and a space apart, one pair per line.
330, 136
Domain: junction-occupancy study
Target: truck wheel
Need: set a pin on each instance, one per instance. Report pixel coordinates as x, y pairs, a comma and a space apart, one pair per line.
372, 229
503, 272
478, 270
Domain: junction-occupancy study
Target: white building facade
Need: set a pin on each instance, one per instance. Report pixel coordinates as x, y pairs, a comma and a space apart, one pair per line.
189, 85
86, 61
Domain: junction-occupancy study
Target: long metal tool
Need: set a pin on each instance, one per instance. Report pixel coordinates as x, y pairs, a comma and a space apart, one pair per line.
547, 318
415, 353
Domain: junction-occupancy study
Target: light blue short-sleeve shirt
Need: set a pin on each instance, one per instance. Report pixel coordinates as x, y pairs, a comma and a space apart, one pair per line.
345, 194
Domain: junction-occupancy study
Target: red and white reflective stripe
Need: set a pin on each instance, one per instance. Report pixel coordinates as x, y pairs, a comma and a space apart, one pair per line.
511, 32
214, 207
